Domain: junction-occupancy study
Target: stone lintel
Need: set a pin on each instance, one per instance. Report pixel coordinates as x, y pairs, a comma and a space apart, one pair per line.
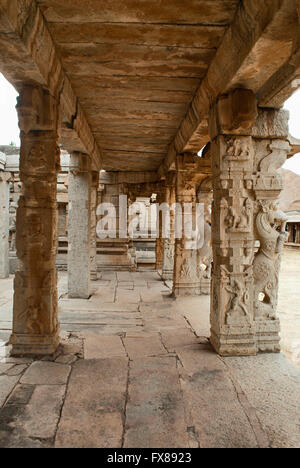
233, 114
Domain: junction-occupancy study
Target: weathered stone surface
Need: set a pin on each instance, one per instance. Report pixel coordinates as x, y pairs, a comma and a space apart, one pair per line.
4, 368
21, 395
42, 414
7, 384
143, 345
219, 422
155, 410
46, 373
17, 370
274, 407
102, 347
97, 389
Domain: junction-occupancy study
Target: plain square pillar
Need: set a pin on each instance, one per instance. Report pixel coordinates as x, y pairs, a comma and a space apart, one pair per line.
79, 252
4, 224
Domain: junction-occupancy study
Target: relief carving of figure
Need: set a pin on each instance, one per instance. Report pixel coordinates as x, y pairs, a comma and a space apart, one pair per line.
270, 226
238, 149
239, 221
33, 317
205, 253
237, 307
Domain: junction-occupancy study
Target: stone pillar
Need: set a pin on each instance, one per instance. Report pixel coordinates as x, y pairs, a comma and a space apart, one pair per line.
186, 280
79, 252
232, 152
35, 322
205, 252
169, 244
245, 158
271, 147
116, 253
93, 208
159, 246
4, 224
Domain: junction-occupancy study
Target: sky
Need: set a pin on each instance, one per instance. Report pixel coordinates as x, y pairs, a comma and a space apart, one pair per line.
9, 131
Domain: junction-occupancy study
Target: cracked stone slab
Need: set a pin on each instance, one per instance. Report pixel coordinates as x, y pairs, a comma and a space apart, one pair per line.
212, 401
5, 368
272, 386
139, 346
102, 347
97, 389
21, 395
17, 370
155, 416
177, 338
46, 373
42, 414
128, 297
7, 384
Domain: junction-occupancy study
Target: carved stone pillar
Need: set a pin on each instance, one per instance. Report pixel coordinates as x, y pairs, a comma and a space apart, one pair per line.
246, 152
205, 252
93, 208
35, 322
169, 244
232, 152
79, 252
271, 147
186, 279
4, 224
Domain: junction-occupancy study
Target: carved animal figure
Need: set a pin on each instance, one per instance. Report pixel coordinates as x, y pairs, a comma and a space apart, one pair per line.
205, 252
270, 225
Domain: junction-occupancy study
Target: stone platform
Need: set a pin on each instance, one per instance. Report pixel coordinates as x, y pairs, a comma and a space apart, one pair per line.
135, 369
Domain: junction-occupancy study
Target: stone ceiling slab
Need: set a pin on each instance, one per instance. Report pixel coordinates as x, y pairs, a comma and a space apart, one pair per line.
140, 11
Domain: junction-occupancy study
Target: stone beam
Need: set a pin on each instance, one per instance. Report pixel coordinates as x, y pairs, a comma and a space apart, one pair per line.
28, 56
128, 177
286, 80
257, 43
295, 146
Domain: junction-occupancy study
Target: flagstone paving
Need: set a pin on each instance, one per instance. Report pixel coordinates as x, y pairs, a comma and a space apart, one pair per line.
135, 369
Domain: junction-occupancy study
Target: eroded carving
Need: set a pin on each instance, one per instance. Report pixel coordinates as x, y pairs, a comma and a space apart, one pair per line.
270, 226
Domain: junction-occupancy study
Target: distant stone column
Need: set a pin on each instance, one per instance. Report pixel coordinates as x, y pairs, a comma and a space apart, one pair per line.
79, 252
35, 322
159, 246
169, 244
4, 224
93, 209
205, 252
186, 280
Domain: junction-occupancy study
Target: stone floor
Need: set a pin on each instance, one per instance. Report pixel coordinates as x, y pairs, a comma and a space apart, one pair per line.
135, 369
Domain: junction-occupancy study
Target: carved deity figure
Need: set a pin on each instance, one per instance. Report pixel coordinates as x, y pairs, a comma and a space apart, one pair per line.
270, 226
237, 306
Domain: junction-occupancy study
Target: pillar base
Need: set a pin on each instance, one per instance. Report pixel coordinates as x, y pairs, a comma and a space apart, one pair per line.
94, 276
34, 345
205, 287
237, 343
186, 289
267, 335
167, 275
79, 296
